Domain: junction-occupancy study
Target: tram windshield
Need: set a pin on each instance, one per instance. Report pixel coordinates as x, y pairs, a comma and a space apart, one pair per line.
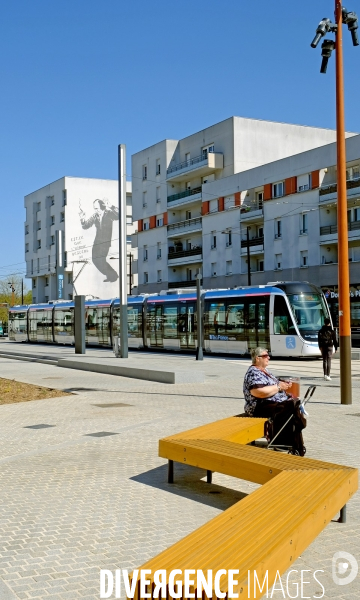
309, 311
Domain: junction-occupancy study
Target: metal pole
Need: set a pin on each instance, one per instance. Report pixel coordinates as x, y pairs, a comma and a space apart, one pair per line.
130, 274
79, 325
122, 252
22, 292
248, 255
343, 250
199, 350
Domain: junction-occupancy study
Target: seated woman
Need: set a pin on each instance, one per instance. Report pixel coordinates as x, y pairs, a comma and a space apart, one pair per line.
266, 396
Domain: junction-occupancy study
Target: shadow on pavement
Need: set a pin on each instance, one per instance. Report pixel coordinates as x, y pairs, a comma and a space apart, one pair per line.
188, 484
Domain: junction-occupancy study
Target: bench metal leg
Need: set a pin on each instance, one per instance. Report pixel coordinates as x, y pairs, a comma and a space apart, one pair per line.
208, 476
342, 518
170, 471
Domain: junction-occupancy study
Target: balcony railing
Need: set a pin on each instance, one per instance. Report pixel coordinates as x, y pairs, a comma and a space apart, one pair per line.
184, 194
246, 208
327, 229
187, 163
185, 224
332, 187
183, 284
184, 253
254, 242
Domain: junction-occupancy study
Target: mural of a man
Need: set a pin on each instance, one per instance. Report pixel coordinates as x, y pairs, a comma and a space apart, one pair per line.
102, 218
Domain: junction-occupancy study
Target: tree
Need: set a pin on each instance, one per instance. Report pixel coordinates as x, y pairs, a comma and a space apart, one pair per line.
6, 285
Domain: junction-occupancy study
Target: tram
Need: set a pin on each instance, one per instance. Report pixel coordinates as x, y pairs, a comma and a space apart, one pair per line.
284, 317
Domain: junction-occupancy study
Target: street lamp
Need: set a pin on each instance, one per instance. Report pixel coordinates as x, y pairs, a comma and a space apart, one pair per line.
326, 26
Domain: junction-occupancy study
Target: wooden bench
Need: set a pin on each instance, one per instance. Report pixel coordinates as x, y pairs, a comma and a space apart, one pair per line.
270, 528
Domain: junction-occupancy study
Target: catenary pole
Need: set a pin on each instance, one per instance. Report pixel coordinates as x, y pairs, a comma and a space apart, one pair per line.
343, 250
248, 256
122, 252
199, 350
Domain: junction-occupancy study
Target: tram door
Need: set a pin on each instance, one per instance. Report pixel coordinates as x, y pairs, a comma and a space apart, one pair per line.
187, 333
258, 323
156, 325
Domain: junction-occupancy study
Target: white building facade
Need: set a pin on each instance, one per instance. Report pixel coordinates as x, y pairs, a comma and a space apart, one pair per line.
72, 239
185, 194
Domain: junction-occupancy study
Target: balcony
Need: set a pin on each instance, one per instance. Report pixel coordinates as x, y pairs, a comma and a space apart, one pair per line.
329, 192
258, 241
329, 229
184, 197
199, 166
183, 253
183, 284
184, 227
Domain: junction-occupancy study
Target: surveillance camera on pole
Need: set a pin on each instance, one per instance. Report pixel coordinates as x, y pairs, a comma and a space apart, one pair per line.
326, 26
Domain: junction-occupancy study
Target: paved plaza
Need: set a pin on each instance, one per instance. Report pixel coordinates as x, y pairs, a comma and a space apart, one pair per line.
83, 489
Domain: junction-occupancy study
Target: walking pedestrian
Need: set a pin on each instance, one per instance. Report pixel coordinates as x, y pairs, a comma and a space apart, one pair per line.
327, 341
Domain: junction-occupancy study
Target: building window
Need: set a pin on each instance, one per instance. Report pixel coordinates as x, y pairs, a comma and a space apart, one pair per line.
304, 223
159, 221
188, 214
304, 258
38, 265
70, 296
260, 265
144, 200
278, 228
38, 206
207, 150
145, 255
353, 172
187, 158
228, 239
52, 200
159, 276
146, 224
278, 261
278, 189
49, 262
229, 267
213, 240
26, 229
260, 231
32, 266
62, 217
46, 281
65, 259
129, 220
46, 299
158, 169
70, 278
38, 244
213, 269
38, 226
34, 283
158, 254
64, 197
158, 199
146, 277
259, 199
144, 172
26, 247
52, 220
52, 240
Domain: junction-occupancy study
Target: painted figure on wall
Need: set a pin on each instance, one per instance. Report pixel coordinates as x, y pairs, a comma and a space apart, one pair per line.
102, 218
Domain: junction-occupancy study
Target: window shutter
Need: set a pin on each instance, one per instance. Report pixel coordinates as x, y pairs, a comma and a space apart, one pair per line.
237, 198
205, 209
221, 203
152, 222
140, 225
290, 186
267, 191
315, 180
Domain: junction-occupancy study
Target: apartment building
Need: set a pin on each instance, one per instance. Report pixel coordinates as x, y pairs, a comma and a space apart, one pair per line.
72, 239
176, 192
282, 217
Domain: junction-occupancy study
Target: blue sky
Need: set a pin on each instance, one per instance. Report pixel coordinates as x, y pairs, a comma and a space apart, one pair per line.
80, 76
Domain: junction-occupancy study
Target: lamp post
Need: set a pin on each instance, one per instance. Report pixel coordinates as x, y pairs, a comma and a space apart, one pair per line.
122, 252
325, 26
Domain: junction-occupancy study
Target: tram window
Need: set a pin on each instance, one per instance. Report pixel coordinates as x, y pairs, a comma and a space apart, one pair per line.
134, 324
355, 314
170, 322
186, 319
282, 320
235, 319
18, 322
63, 321
217, 318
